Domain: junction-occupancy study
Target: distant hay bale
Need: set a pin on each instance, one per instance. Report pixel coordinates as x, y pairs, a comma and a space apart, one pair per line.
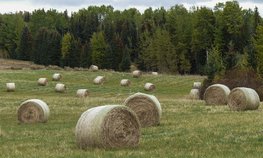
136, 73
94, 68
216, 94
125, 82
155, 73
242, 98
147, 107
82, 93
10, 87
197, 85
56, 77
194, 94
33, 111
99, 80
61, 88
42, 81
149, 87
109, 126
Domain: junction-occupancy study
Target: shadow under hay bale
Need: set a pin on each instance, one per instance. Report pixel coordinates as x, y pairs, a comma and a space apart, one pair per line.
149, 87
10, 87
81, 93
216, 94
125, 82
241, 99
33, 111
147, 107
42, 81
110, 126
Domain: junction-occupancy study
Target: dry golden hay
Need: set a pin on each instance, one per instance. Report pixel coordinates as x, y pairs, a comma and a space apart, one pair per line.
33, 111
42, 81
194, 94
56, 76
99, 80
109, 126
125, 82
136, 73
60, 87
82, 93
242, 98
155, 73
94, 68
216, 94
197, 85
10, 87
147, 107
149, 87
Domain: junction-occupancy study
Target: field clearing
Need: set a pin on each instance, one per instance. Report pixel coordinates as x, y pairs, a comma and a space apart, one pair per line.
188, 128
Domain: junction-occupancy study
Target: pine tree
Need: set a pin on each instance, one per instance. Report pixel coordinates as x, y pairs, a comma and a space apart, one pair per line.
25, 45
258, 42
85, 57
126, 60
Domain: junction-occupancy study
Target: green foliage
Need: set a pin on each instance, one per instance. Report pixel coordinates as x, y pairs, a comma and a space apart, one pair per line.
25, 45
215, 65
258, 42
126, 60
85, 56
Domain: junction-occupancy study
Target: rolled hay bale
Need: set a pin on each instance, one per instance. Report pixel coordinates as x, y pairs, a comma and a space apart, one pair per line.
147, 107
61, 88
109, 126
216, 94
136, 73
149, 87
42, 81
10, 87
94, 68
82, 93
56, 76
125, 82
99, 80
33, 111
155, 73
194, 94
241, 99
197, 85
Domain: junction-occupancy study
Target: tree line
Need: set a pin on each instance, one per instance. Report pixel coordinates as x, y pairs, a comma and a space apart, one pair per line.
195, 41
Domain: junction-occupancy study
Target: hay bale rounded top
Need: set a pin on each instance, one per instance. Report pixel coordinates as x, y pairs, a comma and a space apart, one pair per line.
216, 94
136, 73
94, 68
242, 98
56, 77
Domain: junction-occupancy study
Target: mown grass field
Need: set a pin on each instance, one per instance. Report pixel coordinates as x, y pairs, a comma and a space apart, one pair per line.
188, 128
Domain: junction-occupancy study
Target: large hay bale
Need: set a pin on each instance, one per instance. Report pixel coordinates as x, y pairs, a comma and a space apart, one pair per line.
197, 85
194, 94
10, 87
99, 80
94, 68
33, 111
82, 93
125, 82
61, 88
136, 73
109, 126
149, 87
242, 98
216, 94
42, 81
56, 76
147, 107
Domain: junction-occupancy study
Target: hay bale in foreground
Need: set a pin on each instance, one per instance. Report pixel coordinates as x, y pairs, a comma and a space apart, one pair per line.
136, 73
149, 87
147, 107
125, 82
56, 77
197, 85
61, 88
33, 111
82, 93
99, 80
242, 98
42, 81
109, 126
94, 68
10, 87
216, 94
194, 94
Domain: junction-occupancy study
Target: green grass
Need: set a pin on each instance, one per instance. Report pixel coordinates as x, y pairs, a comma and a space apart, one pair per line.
188, 128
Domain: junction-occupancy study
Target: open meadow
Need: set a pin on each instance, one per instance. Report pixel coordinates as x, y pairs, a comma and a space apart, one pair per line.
188, 128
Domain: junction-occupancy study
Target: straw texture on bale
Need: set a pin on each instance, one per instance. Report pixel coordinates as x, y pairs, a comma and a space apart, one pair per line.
136, 73
147, 107
60, 88
194, 94
99, 80
125, 82
109, 126
155, 73
242, 98
149, 87
197, 85
42, 81
216, 94
82, 93
10, 87
56, 77
94, 68
33, 111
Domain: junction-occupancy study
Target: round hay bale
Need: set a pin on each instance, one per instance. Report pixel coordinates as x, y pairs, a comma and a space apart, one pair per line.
149, 87
109, 126
42, 81
33, 111
56, 76
61, 88
82, 93
125, 82
10, 87
147, 107
216, 94
99, 80
242, 98
94, 68
136, 73
197, 85
155, 73
194, 94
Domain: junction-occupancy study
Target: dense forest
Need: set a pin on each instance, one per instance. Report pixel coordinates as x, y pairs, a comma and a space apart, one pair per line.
196, 41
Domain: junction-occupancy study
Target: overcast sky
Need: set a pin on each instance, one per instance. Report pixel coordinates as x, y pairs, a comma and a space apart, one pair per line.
7, 6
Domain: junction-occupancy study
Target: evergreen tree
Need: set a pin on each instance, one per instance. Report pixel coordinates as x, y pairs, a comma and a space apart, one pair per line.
25, 45
126, 60
258, 42
85, 57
